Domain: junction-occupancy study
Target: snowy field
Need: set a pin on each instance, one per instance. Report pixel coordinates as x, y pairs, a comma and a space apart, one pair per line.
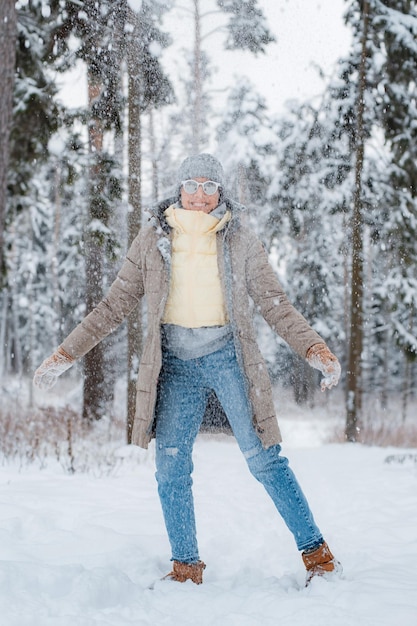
83, 549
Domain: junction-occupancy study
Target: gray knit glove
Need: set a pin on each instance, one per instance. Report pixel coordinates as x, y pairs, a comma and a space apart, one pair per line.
47, 374
320, 357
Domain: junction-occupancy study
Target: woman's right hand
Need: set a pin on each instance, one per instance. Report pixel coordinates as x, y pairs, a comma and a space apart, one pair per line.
47, 374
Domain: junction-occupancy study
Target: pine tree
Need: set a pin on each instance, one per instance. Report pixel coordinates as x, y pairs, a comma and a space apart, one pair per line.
354, 381
98, 27
308, 195
35, 117
355, 95
108, 32
371, 94
8, 20
245, 29
245, 141
148, 88
395, 36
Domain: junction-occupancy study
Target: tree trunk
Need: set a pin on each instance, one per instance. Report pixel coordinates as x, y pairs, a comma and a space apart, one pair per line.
354, 383
8, 20
198, 86
93, 392
408, 357
406, 386
154, 158
386, 372
54, 259
4, 305
134, 322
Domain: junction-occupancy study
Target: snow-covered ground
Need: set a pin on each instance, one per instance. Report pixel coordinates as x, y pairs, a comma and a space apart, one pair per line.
83, 549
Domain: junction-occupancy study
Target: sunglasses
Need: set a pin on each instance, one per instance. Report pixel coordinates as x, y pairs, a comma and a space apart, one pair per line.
209, 187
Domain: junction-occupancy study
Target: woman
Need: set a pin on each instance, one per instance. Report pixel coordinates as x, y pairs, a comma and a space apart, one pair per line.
201, 271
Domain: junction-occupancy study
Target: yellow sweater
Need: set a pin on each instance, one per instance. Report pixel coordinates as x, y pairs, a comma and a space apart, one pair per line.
195, 296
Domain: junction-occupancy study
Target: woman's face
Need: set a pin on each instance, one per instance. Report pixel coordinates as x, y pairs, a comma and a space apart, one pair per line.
199, 201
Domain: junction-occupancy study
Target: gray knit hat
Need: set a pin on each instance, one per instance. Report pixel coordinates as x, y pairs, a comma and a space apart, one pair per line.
201, 166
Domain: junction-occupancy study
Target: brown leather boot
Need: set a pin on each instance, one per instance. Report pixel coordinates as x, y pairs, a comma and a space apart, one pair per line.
187, 571
320, 562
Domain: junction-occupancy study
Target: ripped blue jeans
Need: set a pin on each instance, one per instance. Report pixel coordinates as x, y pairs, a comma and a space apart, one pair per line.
184, 387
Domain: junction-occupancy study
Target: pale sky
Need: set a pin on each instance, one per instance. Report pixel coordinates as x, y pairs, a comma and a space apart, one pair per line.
308, 33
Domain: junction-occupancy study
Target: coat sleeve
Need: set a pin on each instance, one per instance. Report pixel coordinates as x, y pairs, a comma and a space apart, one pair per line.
269, 296
122, 297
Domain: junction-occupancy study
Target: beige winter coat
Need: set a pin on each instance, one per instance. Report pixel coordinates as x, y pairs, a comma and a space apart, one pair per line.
247, 278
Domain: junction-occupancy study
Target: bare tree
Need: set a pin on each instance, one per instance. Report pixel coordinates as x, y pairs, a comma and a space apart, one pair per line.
8, 21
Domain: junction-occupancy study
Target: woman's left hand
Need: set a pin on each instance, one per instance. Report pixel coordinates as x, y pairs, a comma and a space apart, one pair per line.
320, 357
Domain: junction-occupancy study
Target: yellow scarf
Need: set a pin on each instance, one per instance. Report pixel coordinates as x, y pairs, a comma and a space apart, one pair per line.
195, 297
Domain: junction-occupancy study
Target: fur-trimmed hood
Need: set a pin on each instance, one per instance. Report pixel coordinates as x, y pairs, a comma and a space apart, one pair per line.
157, 211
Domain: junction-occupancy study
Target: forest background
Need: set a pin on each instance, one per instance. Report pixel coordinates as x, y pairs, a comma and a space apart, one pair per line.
330, 182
